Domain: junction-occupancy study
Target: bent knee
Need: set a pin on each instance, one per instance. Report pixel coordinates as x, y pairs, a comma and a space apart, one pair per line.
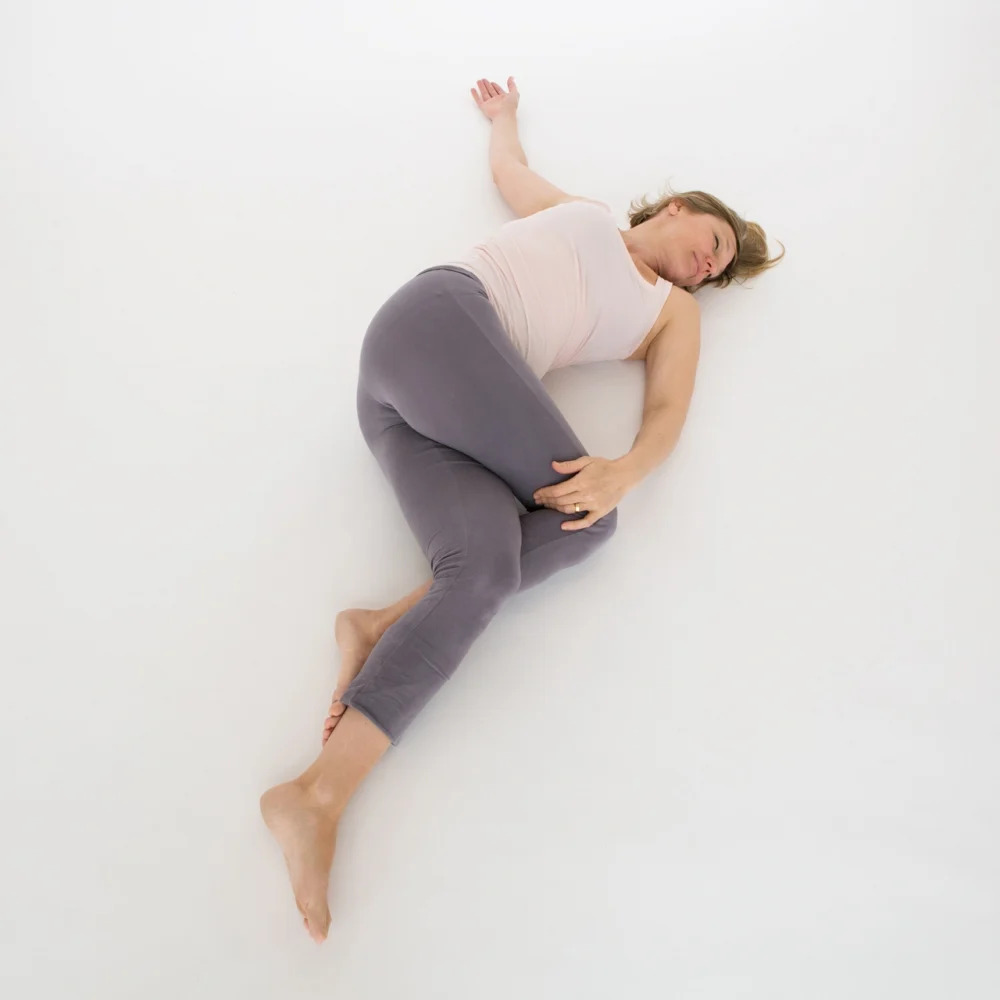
490, 576
499, 576
606, 525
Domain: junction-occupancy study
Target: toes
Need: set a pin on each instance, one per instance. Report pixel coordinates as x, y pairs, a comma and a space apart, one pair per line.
328, 728
318, 924
337, 709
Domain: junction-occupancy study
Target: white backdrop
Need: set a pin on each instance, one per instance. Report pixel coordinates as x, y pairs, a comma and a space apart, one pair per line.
749, 749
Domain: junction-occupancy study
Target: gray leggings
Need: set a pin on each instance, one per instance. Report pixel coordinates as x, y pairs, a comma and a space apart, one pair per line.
463, 430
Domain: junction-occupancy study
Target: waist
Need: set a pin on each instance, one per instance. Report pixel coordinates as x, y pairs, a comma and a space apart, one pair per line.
451, 267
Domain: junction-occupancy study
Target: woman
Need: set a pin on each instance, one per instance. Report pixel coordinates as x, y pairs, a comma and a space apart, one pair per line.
451, 404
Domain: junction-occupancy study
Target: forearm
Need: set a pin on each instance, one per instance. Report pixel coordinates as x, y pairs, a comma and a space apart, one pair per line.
504, 143
660, 431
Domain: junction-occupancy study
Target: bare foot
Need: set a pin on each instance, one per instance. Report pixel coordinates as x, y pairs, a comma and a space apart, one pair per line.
307, 836
357, 630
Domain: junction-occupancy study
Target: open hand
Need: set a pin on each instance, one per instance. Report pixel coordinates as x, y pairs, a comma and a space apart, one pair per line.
494, 101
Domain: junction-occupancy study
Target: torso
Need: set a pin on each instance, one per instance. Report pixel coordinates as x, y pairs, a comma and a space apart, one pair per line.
648, 274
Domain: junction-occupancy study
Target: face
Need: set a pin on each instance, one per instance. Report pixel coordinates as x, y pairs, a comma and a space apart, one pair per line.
699, 246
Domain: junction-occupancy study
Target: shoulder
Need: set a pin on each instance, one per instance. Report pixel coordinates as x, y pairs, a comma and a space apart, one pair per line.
527, 192
682, 301
679, 323
592, 201
680, 310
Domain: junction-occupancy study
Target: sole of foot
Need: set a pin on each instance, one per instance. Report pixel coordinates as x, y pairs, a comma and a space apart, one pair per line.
307, 837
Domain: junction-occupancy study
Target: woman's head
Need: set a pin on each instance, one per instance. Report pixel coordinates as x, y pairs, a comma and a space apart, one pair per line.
695, 240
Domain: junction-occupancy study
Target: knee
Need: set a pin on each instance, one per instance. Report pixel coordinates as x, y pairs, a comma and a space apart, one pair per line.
489, 576
497, 576
607, 525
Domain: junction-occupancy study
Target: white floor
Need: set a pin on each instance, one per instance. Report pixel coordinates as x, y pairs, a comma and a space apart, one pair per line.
750, 749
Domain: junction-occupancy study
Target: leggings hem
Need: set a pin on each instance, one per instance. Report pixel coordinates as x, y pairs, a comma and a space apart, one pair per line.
371, 718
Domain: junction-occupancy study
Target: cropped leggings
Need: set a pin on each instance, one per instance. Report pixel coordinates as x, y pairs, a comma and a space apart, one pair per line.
463, 430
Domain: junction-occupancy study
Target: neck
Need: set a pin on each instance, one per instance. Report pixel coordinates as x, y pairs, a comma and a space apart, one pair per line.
637, 248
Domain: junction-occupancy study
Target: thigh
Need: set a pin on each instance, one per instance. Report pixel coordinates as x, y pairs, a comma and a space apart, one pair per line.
463, 516
437, 353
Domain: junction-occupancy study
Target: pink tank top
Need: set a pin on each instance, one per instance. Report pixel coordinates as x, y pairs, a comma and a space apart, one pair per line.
565, 286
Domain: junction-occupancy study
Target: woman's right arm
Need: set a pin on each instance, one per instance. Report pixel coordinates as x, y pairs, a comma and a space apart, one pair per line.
505, 147
524, 190
500, 108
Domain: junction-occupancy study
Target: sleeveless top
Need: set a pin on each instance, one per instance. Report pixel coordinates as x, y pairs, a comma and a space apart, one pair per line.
565, 286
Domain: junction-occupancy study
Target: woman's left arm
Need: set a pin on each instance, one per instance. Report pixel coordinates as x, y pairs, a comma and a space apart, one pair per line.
671, 363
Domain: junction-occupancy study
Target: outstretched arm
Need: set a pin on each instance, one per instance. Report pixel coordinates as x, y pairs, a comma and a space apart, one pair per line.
524, 191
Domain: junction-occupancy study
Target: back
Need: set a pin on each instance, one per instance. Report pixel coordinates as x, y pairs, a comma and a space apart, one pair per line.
565, 286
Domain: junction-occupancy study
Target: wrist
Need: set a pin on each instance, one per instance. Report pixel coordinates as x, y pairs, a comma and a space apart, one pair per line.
632, 471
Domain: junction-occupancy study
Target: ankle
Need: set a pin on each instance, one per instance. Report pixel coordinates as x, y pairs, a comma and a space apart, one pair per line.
320, 796
380, 620
396, 611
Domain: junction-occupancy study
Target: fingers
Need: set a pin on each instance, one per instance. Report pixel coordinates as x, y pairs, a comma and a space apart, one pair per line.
493, 100
568, 508
565, 504
565, 492
585, 522
490, 88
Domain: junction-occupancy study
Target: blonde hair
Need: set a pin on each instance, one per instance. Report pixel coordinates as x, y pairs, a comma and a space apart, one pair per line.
750, 258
